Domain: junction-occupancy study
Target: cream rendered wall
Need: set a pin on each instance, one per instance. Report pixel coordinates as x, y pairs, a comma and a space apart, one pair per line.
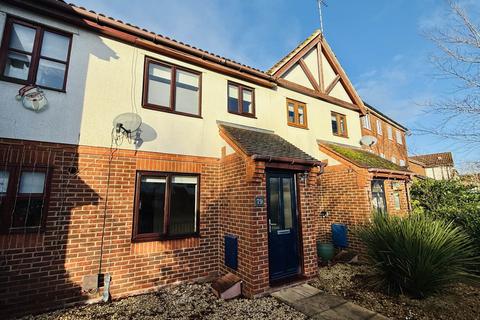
105, 79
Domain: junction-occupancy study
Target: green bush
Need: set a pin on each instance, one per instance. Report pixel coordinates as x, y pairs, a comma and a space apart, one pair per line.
450, 200
418, 255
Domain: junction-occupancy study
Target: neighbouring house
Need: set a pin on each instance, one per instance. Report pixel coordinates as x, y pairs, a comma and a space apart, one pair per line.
390, 136
232, 169
437, 166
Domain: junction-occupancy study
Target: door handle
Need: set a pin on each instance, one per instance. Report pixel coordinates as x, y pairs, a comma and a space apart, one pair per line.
270, 224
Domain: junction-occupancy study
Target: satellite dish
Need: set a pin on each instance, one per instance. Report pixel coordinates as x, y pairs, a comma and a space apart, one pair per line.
368, 140
127, 122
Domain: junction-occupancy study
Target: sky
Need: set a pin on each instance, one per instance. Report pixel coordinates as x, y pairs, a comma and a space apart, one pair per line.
380, 44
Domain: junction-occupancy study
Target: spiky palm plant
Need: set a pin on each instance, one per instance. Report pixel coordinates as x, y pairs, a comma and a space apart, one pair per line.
417, 255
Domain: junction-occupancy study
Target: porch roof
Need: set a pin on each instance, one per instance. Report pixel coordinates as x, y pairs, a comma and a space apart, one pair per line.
362, 158
264, 145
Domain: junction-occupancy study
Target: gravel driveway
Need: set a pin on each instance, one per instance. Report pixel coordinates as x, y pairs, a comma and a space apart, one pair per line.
186, 301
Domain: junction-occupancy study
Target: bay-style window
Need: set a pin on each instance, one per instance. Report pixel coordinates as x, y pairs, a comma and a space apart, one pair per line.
166, 206
339, 124
296, 114
171, 88
241, 100
35, 55
24, 195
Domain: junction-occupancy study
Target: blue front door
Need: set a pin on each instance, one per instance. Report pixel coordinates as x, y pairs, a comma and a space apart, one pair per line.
282, 225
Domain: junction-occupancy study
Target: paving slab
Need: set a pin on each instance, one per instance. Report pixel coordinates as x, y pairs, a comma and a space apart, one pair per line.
323, 306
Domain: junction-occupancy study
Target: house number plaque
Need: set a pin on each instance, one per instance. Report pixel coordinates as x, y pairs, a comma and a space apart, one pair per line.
259, 201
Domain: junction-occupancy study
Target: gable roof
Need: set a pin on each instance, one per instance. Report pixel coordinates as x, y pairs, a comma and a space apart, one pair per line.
264, 144
361, 158
434, 159
317, 42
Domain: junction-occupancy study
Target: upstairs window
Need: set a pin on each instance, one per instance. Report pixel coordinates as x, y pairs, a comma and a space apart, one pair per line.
379, 127
390, 133
34, 54
366, 122
399, 137
339, 124
166, 206
171, 88
240, 100
296, 114
23, 198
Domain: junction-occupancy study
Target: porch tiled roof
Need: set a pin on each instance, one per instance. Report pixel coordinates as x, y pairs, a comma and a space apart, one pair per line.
263, 143
363, 158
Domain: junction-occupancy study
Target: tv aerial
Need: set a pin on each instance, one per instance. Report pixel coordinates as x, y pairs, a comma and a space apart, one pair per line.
127, 125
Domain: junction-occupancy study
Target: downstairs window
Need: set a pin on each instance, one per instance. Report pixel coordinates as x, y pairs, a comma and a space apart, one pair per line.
24, 195
166, 206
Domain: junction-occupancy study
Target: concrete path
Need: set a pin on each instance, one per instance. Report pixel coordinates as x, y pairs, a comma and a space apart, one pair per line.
323, 306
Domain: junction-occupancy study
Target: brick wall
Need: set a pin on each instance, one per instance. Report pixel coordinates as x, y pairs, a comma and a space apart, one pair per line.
390, 148
43, 270
239, 217
345, 195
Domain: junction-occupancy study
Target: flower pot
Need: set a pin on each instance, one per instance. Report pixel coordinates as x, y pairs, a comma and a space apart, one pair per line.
326, 251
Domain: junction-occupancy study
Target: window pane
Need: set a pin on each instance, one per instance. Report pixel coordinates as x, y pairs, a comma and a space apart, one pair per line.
183, 205
334, 124
50, 74
301, 116
32, 182
342, 125
232, 98
22, 38
159, 78
187, 92
274, 203
399, 137
287, 204
396, 200
291, 113
379, 127
4, 175
151, 207
55, 46
27, 213
17, 65
247, 101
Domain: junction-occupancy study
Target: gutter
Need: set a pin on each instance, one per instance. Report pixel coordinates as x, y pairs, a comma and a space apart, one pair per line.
77, 16
291, 161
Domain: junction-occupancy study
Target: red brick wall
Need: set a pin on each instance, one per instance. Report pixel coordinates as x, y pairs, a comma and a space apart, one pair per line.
38, 271
384, 145
239, 217
345, 195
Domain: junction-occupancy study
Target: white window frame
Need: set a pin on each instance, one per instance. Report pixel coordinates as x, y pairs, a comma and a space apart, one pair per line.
366, 122
394, 160
379, 127
390, 132
398, 134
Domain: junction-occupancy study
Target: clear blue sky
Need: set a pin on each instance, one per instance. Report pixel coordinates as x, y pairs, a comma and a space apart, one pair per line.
379, 43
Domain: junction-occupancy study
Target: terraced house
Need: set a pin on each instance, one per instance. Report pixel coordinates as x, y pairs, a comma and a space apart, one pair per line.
232, 169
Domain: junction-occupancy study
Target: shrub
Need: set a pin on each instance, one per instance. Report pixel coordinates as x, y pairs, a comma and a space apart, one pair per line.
418, 255
450, 200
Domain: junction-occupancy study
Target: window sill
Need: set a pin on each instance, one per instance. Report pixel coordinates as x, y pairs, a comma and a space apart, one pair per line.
340, 136
156, 238
168, 110
243, 114
26, 83
297, 126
